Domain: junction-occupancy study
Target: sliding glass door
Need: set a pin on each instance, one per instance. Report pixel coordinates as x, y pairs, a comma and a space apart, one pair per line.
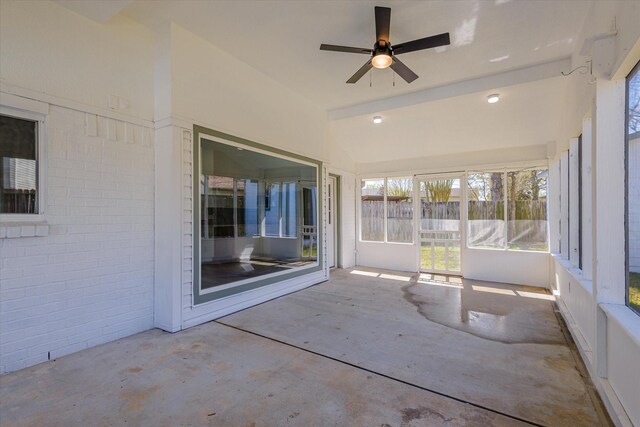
439, 229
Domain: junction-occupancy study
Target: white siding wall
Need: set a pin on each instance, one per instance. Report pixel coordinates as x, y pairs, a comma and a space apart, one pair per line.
90, 280
187, 219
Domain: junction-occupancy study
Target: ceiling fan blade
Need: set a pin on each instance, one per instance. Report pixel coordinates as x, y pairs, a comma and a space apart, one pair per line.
403, 71
425, 43
361, 72
383, 20
346, 49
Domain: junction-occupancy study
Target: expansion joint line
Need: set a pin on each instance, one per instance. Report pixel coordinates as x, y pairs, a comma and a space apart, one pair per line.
370, 371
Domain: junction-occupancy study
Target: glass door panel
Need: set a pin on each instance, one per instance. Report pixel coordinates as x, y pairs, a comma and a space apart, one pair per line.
440, 200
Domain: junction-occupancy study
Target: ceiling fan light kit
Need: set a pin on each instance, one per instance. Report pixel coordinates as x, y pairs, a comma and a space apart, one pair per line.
383, 54
382, 60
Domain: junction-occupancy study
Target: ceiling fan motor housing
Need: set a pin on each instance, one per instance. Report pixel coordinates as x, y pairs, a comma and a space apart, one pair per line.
382, 55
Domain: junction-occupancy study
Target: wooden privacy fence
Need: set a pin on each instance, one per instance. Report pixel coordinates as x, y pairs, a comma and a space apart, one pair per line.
529, 223
523, 210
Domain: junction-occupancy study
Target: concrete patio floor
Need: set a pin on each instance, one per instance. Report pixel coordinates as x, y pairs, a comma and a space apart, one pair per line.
368, 348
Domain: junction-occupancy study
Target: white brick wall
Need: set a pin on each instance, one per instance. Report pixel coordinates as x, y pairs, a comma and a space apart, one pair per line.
634, 205
90, 280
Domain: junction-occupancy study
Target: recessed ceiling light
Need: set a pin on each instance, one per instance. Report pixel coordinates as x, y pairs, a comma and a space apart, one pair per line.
493, 98
377, 120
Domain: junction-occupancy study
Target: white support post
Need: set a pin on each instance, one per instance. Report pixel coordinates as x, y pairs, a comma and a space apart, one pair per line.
168, 229
554, 206
610, 275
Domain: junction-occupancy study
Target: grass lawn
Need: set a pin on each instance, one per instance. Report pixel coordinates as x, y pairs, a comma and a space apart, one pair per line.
305, 251
634, 291
523, 246
439, 258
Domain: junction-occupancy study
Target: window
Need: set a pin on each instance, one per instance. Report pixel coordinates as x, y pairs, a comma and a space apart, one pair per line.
633, 189
580, 201
257, 218
400, 210
525, 210
386, 210
372, 210
19, 162
486, 210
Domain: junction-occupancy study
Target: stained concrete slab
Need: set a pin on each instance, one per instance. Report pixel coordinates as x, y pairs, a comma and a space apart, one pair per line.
498, 346
218, 376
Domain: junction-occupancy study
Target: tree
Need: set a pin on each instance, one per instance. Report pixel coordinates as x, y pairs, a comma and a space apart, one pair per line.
399, 187
496, 186
634, 105
439, 190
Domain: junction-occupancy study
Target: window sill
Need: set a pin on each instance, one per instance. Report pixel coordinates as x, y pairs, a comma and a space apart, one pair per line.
15, 229
575, 273
479, 248
387, 243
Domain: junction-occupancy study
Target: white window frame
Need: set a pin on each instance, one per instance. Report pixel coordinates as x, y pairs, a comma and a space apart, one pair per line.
505, 192
384, 200
564, 205
386, 208
385, 238
37, 111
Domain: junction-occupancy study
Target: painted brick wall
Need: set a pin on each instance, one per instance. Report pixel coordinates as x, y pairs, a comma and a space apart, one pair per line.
90, 280
634, 205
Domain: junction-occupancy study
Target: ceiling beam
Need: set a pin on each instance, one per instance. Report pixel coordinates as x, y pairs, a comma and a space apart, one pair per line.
508, 78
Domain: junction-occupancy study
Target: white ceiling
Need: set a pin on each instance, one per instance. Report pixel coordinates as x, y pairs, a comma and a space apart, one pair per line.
528, 114
282, 39
514, 47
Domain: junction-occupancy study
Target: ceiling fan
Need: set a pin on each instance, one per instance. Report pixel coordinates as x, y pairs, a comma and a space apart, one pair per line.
383, 54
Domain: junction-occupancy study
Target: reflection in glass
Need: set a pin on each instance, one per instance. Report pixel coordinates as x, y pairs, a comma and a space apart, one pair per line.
309, 227
258, 215
272, 209
633, 189
248, 223
217, 206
